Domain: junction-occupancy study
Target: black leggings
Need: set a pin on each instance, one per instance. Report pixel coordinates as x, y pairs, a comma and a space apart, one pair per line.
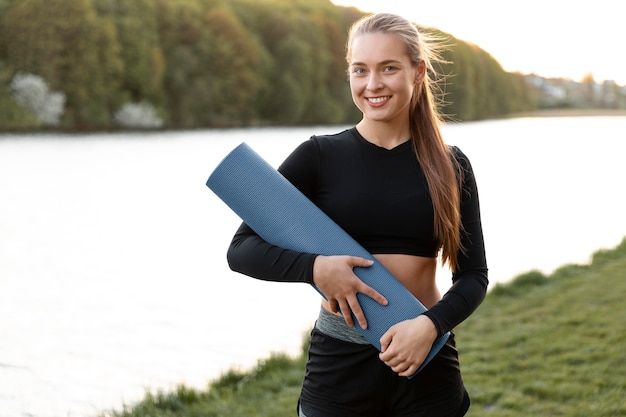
346, 379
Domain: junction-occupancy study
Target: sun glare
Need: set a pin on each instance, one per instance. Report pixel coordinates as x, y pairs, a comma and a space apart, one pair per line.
547, 38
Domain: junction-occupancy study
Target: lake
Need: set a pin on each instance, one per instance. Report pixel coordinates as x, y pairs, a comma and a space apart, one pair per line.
113, 276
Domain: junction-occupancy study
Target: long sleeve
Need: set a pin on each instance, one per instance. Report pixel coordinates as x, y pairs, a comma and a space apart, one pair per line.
249, 254
470, 280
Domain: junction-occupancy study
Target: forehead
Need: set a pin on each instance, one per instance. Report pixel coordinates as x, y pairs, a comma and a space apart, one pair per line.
376, 47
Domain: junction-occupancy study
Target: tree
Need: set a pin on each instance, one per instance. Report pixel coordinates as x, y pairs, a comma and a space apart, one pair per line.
232, 64
14, 116
75, 51
208, 63
137, 32
183, 39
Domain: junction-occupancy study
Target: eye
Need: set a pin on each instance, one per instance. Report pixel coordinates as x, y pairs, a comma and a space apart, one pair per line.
358, 70
389, 68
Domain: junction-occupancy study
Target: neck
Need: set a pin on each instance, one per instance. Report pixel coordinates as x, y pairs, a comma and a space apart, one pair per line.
385, 135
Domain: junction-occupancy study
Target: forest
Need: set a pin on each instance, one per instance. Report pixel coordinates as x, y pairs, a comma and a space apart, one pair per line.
89, 65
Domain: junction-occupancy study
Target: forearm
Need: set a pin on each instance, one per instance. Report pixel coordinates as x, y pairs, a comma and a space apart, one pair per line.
249, 254
465, 295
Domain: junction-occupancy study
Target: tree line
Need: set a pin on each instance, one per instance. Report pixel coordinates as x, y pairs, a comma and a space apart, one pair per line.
180, 64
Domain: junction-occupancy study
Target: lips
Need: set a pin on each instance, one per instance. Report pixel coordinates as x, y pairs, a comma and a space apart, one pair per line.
378, 100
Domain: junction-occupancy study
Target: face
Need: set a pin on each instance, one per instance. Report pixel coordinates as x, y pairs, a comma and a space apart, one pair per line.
382, 77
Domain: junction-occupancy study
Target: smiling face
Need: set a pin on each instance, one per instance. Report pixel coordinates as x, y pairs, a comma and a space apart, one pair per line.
383, 77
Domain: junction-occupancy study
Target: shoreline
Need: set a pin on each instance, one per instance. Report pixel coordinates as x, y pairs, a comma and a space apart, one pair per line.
534, 113
568, 113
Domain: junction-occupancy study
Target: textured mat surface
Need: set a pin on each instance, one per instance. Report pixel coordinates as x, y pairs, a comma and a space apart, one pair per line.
283, 216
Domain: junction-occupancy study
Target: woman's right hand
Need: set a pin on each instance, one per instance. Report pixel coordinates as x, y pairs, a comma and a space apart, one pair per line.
334, 277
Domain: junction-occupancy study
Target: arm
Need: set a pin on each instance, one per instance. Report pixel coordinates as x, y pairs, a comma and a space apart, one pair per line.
249, 254
470, 279
406, 354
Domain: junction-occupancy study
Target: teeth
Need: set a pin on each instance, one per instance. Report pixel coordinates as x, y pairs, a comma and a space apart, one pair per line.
378, 99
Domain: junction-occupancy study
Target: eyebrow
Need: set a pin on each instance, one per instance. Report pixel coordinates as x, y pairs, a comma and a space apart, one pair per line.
382, 63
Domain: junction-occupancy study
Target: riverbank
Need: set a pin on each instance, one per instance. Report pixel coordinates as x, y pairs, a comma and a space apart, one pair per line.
539, 345
569, 113
536, 113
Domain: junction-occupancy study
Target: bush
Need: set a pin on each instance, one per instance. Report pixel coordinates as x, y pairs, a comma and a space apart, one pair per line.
31, 92
138, 116
520, 284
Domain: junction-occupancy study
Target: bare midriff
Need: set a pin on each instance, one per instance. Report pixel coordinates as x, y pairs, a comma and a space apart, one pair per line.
416, 273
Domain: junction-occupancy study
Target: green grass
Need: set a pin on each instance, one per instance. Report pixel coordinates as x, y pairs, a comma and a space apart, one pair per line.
551, 346
538, 346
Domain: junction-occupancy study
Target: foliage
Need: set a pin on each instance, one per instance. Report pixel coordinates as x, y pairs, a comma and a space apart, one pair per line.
70, 46
538, 346
476, 85
32, 92
142, 58
214, 63
14, 116
138, 115
521, 284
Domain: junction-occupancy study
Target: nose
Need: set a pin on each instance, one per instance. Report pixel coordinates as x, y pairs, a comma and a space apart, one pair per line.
374, 81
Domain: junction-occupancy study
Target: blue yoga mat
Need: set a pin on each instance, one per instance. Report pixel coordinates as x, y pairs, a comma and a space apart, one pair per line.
283, 216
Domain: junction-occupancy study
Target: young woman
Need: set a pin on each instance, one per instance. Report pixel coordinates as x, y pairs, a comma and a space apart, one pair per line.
394, 185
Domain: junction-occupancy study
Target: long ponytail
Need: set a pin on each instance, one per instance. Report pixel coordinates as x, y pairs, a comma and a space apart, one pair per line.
441, 171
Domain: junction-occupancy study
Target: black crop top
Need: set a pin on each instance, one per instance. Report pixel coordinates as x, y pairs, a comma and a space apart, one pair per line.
380, 197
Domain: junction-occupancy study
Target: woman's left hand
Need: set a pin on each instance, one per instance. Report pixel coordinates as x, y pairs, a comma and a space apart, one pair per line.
406, 344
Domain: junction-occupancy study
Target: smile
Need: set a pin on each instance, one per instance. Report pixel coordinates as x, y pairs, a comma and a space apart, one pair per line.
378, 100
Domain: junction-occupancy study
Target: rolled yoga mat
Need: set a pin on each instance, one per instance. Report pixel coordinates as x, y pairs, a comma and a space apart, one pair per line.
283, 216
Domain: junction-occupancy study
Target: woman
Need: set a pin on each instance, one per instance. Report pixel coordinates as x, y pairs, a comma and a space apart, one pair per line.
394, 185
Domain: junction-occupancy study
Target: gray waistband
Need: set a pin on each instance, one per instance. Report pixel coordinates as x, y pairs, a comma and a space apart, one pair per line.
336, 327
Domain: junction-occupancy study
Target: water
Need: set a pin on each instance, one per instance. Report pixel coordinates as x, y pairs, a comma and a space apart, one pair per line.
113, 279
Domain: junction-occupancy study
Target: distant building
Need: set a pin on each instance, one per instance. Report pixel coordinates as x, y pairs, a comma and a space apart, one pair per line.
566, 93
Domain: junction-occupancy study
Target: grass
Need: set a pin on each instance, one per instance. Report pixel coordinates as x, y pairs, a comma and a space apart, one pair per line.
552, 345
538, 346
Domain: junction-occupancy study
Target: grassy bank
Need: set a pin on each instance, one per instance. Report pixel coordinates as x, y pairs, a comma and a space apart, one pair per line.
538, 346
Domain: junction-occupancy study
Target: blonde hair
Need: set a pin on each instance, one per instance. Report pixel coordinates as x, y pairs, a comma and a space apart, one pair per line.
441, 169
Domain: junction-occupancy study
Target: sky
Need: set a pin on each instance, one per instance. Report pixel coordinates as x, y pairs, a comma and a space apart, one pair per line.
550, 38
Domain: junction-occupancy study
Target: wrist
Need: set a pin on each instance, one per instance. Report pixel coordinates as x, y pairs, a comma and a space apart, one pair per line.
310, 278
429, 326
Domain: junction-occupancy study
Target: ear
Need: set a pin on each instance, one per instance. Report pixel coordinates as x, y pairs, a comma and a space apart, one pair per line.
420, 74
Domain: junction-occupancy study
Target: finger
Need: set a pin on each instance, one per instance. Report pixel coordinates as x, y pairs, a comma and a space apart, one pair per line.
398, 363
364, 288
373, 294
362, 262
392, 363
409, 371
385, 341
399, 368
346, 313
333, 305
358, 313
390, 357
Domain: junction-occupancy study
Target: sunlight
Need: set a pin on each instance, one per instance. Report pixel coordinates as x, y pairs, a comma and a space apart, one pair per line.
550, 39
